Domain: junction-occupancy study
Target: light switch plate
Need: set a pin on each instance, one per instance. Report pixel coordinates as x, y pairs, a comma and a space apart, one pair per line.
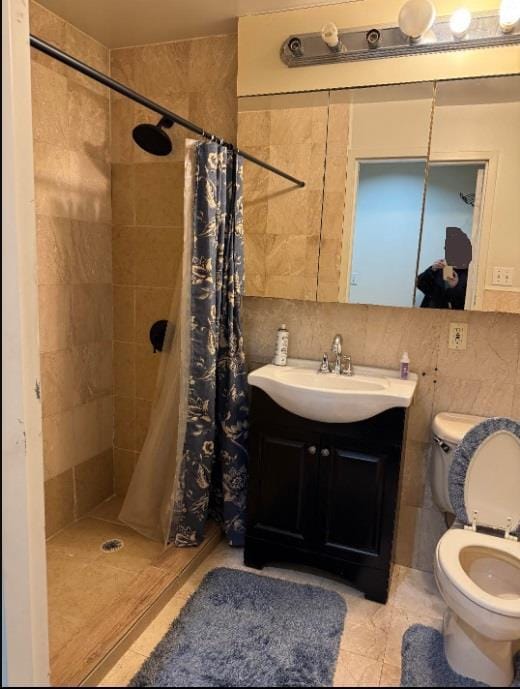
458, 336
503, 276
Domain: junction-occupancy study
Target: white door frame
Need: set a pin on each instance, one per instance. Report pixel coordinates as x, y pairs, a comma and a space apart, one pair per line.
489, 159
24, 582
355, 158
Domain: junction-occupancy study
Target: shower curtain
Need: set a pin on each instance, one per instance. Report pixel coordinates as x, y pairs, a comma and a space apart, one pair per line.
194, 460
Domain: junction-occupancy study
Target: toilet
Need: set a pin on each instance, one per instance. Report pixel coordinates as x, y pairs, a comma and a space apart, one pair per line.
448, 430
477, 561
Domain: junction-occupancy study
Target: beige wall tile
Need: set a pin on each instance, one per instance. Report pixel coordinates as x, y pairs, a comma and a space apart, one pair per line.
88, 121
89, 187
123, 194
212, 63
492, 347
92, 308
60, 388
54, 240
88, 50
53, 186
122, 68
93, 363
59, 443
414, 473
146, 368
49, 105
124, 369
124, 423
418, 533
94, 481
157, 254
483, 398
59, 502
255, 218
124, 464
92, 426
515, 412
51, 28
420, 413
123, 256
124, 313
254, 129
92, 252
55, 317
143, 411
159, 192
123, 120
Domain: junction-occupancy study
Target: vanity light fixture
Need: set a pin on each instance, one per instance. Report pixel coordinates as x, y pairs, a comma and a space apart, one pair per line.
509, 14
418, 32
460, 22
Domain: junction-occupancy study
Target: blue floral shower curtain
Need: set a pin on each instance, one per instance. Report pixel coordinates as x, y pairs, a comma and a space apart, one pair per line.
212, 476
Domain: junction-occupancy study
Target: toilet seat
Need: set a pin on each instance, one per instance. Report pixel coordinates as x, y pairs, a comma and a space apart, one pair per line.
448, 560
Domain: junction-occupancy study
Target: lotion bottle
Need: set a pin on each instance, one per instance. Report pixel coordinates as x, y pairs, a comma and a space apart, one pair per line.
282, 346
404, 366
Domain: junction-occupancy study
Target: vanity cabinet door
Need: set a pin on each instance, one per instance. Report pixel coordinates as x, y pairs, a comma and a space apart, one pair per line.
356, 490
283, 489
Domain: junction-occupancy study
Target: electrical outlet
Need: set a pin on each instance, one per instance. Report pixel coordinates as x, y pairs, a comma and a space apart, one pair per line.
354, 278
458, 335
503, 276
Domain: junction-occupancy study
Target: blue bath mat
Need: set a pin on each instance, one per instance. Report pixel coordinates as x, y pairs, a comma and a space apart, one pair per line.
424, 663
244, 630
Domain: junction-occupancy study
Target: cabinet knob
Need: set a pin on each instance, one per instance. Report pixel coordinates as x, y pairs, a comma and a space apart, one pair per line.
325, 452
311, 450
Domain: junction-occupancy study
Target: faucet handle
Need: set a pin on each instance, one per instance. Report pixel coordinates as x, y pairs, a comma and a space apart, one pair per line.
324, 366
337, 343
346, 367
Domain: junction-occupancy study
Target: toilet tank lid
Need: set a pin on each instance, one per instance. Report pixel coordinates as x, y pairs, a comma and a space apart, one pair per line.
452, 427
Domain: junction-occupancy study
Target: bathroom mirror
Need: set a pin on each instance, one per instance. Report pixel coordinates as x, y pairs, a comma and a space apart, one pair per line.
387, 153
283, 222
409, 198
471, 221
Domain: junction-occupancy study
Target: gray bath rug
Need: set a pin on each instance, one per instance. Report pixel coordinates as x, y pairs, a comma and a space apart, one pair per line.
424, 663
245, 630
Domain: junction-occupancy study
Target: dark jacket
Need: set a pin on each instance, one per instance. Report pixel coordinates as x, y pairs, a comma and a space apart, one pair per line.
437, 295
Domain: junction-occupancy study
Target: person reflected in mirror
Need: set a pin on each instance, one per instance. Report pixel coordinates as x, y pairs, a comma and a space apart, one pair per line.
444, 283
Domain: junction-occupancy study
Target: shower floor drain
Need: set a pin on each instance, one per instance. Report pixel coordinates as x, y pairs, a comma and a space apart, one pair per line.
112, 545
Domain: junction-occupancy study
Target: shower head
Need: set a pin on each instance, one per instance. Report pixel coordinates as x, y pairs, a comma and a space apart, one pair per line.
152, 138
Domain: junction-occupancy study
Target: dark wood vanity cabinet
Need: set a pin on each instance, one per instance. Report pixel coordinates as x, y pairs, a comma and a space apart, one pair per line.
322, 494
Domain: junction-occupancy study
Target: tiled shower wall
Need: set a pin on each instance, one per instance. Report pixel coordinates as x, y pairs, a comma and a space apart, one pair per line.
197, 80
73, 211
483, 380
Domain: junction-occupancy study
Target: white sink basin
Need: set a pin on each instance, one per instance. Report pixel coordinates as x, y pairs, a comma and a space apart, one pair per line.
299, 388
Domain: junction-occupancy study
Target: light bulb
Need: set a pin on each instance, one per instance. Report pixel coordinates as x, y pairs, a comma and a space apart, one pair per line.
460, 21
416, 17
329, 34
509, 14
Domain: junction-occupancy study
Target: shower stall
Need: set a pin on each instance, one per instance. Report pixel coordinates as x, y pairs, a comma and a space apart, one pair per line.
110, 231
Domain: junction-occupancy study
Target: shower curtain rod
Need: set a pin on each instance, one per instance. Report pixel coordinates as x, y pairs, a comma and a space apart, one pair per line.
70, 61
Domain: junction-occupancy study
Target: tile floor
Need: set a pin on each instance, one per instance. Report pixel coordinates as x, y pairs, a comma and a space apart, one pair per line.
370, 649
82, 579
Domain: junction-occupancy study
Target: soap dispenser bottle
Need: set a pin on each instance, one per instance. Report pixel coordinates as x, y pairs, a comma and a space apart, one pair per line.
282, 346
404, 367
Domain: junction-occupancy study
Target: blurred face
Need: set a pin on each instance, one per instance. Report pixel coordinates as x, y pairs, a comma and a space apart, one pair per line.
457, 248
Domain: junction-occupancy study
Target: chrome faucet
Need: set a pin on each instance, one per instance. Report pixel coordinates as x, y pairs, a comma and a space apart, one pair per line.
342, 364
337, 343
